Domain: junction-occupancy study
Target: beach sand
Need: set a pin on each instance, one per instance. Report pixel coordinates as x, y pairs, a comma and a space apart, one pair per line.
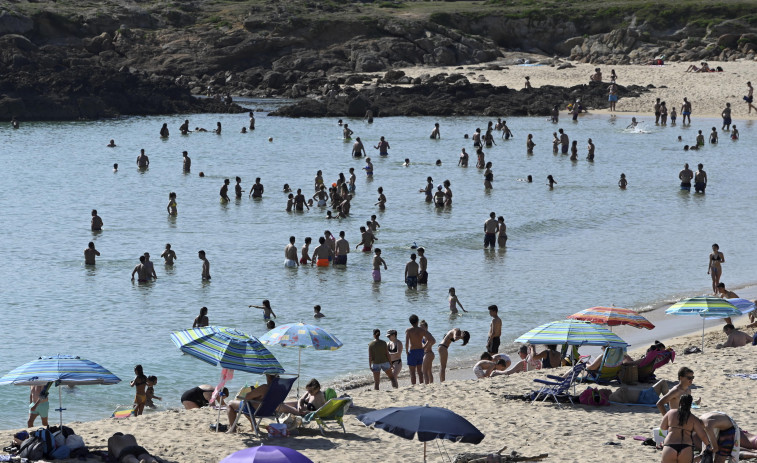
567, 433
707, 92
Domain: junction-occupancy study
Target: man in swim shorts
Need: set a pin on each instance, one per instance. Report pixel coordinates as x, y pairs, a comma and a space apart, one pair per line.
290, 254
564, 141
491, 227
414, 348
341, 249
38, 405
495, 330
700, 179
685, 177
140, 270
686, 111
411, 273
321, 254
726, 115
422, 267
378, 359
377, 262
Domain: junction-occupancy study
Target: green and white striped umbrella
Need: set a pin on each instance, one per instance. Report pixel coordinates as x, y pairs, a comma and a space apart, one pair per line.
572, 332
705, 307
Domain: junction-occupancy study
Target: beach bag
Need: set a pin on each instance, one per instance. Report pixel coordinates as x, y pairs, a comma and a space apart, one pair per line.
629, 374
277, 430
61, 453
593, 396
74, 442
47, 439
32, 449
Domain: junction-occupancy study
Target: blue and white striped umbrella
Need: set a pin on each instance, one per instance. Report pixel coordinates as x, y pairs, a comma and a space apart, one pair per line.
572, 332
228, 347
705, 307
59, 369
64, 369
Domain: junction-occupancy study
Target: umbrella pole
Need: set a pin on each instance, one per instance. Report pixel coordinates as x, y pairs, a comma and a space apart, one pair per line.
702, 334
299, 366
424, 452
60, 404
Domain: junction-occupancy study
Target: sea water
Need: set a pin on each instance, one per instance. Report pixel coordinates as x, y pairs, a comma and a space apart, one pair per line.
583, 243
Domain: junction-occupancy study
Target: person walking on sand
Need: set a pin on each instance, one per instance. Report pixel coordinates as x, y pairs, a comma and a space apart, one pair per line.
495, 331
202, 319
38, 405
714, 268
749, 98
290, 254
205, 265
90, 253
428, 354
700, 179
451, 336
378, 359
414, 349
395, 352
685, 177
686, 111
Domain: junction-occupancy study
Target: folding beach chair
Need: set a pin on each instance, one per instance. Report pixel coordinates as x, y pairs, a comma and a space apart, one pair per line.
332, 410
609, 368
277, 392
560, 384
652, 361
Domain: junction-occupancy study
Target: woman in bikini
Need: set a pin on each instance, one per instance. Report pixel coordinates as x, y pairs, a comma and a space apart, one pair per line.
714, 269
139, 382
678, 446
451, 336
428, 354
395, 352
454, 302
311, 400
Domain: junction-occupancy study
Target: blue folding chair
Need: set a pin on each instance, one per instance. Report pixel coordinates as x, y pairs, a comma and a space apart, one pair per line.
560, 385
277, 392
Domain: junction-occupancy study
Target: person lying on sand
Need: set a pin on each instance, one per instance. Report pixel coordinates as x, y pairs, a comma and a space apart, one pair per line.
736, 338
124, 449
631, 395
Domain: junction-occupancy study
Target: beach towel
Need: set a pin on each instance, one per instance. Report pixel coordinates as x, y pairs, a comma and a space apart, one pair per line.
743, 375
123, 411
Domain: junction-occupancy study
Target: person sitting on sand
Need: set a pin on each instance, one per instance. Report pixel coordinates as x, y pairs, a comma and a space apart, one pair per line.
682, 425
254, 397
736, 338
597, 76
550, 358
521, 365
723, 429
311, 400
673, 397
123, 448
692, 68
486, 368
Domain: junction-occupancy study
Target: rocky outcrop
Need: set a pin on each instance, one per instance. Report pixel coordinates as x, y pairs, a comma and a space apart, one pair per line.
450, 95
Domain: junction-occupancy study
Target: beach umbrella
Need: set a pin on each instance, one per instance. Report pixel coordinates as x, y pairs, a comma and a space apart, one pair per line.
612, 316
59, 369
705, 307
230, 348
572, 332
302, 336
267, 454
428, 422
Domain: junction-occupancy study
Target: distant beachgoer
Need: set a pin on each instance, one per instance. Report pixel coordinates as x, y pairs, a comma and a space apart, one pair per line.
14, 124
622, 183
685, 176
435, 134
454, 302
502, 233
734, 133
657, 107
171, 207
112, 144
597, 76
564, 141
142, 160
317, 312
304, 252
368, 167
383, 147
590, 147
447, 193
714, 269
451, 336
150, 391
613, 95
257, 189
205, 265
414, 349
139, 382
290, 254
700, 179
89, 254
395, 352
477, 138
115, 167
168, 255
427, 366
480, 158
38, 405
347, 132
555, 142
551, 182
495, 331
527, 85
299, 201
530, 144
577, 109
488, 176
149, 267
141, 271
381, 199
96, 224
714, 136
252, 121
358, 149
428, 190
700, 138
686, 111
321, 254
726, 115
202, 319
555, 115
341, 249
574, 150
411, 273
663, 114
439, 197
378, 359
749, 98
377, 263
164, 131
673, 116
266, 308
218, 128
225, 191
422, 267
491, 227
187, 163
184, 128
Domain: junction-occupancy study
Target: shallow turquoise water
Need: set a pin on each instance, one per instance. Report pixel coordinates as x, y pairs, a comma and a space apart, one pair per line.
582, 244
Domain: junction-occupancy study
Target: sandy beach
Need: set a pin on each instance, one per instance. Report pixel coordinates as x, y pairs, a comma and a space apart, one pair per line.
566, 433
708, 92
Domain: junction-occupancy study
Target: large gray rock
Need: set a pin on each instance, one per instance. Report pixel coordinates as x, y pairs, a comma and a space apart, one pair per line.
14, 24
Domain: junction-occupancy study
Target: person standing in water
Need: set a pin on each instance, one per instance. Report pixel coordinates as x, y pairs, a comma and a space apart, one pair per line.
225, 191
143, 161
502, 233
164, 131
184, 128
341, 249
422, 267
435, 134
205, 265
411, 273
171, 207
347, 132
168, 255
290, 254
495, 331
590, 148
622, 183
714, 268
96, 224
202, 319
454, 302
726, 115
187, 163
90, 253
491, 227
383, 147
700, 179
256, 191
685, 177
564, 141
686, 111
358, 149
377, 263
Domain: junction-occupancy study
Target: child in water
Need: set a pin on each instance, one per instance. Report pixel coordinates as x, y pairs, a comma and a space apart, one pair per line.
622, 183
150, 391
454, 302
267, 311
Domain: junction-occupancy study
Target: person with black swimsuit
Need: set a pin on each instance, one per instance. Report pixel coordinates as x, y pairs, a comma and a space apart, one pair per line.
678, 446
311, 400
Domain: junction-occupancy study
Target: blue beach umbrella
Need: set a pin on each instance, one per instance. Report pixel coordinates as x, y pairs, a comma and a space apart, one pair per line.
705, 307
303, 336
59, 369
267, 454
572, 332
428, 423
